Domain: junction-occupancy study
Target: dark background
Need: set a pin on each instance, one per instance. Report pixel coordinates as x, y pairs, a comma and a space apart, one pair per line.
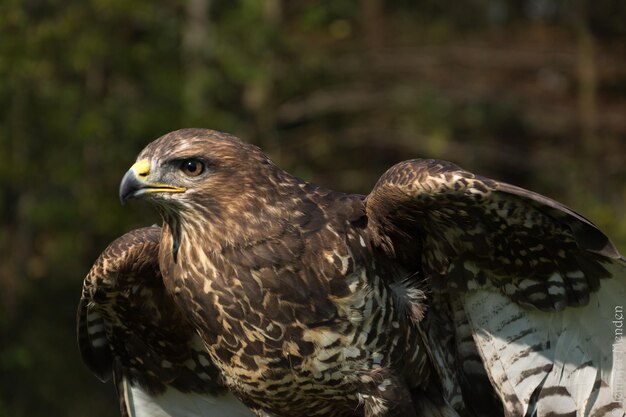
531, 92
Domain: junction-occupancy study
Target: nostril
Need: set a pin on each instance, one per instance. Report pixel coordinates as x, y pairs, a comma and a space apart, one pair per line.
141, 168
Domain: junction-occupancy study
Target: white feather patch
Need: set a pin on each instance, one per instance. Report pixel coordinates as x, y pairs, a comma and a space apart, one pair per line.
174, 403
567, 353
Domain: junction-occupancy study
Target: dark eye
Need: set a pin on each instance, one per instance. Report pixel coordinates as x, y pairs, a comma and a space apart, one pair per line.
192, 167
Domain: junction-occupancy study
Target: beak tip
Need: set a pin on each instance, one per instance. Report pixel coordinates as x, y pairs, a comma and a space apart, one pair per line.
129, 186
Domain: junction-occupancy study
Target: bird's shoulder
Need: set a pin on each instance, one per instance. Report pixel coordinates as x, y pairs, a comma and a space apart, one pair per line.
306, 260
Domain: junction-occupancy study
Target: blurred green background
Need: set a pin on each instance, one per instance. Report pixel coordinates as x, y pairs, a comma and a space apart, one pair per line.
532, 92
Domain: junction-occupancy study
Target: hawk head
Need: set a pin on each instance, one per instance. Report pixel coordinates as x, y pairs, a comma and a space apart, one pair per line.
187, 163
206, 179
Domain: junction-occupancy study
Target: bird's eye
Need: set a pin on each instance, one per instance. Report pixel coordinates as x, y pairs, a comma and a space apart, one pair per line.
192, 167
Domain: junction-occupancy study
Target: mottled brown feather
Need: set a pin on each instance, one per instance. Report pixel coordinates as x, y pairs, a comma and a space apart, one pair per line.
129, 326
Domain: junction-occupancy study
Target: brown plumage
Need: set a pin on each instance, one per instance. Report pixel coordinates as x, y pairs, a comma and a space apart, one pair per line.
130, 329
441, 293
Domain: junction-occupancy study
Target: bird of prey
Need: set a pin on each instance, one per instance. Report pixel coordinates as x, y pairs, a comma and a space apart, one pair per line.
130, 328
441, 293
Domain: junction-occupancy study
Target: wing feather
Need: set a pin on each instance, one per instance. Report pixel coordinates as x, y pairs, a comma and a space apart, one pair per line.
537, 282
129, 328
92, 343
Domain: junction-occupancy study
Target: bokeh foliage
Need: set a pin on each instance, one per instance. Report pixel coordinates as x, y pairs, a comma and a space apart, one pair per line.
531, 92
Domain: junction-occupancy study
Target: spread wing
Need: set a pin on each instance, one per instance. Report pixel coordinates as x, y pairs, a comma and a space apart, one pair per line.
524, 290
129, 329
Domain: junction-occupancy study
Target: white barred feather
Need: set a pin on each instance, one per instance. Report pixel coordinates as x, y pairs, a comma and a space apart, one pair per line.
554, 363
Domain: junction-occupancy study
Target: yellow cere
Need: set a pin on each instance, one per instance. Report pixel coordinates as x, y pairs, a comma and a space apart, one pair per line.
141, 168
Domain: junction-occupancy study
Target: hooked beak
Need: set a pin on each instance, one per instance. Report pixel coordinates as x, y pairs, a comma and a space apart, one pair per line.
135, 183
